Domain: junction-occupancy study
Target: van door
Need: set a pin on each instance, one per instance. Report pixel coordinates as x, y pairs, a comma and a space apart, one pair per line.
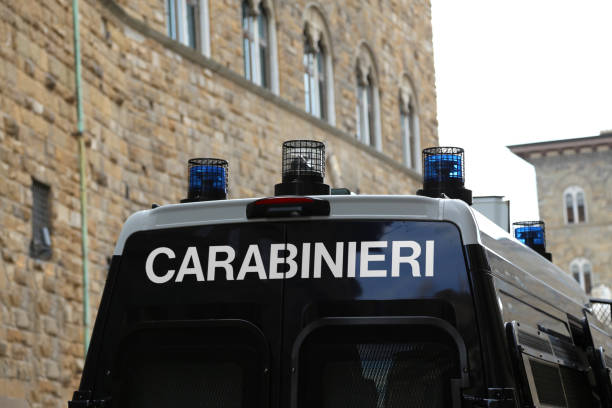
375, 315
188, 319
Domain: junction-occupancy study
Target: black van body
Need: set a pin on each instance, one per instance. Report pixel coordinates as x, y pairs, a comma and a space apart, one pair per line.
388, 301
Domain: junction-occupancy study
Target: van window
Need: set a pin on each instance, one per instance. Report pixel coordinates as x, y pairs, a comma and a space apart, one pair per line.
212, 367
376, 367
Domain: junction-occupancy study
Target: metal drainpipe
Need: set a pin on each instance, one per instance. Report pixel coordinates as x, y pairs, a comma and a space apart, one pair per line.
82, 168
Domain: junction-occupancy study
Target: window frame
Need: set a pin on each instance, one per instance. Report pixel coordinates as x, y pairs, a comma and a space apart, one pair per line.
409, 125
574, 194
367, 125
177, 24
261, 70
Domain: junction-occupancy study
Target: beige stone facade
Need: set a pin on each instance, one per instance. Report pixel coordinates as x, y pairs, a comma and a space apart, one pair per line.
151, 103
565, 169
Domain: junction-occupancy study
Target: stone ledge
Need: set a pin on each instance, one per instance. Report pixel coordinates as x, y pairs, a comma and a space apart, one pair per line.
113, 10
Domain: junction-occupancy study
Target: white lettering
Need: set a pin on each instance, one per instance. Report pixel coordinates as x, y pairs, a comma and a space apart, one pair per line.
252, 252
276, 259
224, 256
305, 260
429, 258
213, 263
397, 259
190, 256
149, 265
350, 261
335, 266
366, 257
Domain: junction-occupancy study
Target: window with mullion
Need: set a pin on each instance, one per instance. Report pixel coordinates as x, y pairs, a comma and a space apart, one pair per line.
575, 205
314, 82
256, 45
187, 23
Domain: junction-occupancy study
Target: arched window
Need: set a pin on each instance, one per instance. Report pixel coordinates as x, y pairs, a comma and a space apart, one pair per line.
409, 121
259, 44
318, 67
582, 272
187, 22
574, 205
368, 109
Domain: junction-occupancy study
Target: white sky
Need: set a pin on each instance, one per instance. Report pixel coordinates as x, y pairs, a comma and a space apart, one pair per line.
521, 71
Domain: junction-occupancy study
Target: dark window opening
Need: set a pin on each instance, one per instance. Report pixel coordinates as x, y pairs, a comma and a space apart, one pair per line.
213, 367
377, 367
40, 246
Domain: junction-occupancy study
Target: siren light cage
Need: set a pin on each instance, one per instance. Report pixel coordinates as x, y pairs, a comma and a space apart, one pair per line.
436, 162
208, 179
530, 230
303, 159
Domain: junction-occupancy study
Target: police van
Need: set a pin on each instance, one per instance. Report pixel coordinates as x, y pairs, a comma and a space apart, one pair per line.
315, 298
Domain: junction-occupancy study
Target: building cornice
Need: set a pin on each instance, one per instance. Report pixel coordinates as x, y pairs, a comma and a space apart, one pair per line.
528, 151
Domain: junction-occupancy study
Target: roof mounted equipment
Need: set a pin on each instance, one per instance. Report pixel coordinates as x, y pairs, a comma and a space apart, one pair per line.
532, 234
444, 173
207, 180
303, 169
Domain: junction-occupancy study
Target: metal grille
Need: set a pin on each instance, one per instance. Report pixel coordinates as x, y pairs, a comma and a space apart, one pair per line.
602, 309
40, 246
303, 159
388, 376
535, 342
208, 179
548, 383
564, 350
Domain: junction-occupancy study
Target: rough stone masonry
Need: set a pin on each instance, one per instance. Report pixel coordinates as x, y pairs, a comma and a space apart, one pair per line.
151, 103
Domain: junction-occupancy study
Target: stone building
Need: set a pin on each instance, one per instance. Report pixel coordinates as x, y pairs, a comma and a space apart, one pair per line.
574, 179
163, 81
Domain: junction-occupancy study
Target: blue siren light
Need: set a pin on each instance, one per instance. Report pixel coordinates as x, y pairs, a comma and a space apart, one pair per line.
207, 179
532, 234
443, 165
444, 173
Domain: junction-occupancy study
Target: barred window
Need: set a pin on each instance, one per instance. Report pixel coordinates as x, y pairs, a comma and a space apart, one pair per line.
40, 246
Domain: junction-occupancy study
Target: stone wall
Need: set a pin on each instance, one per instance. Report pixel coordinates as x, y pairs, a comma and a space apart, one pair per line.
150, 104
591, 169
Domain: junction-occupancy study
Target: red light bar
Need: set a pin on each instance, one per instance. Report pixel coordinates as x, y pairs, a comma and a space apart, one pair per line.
283, 200
287, 207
